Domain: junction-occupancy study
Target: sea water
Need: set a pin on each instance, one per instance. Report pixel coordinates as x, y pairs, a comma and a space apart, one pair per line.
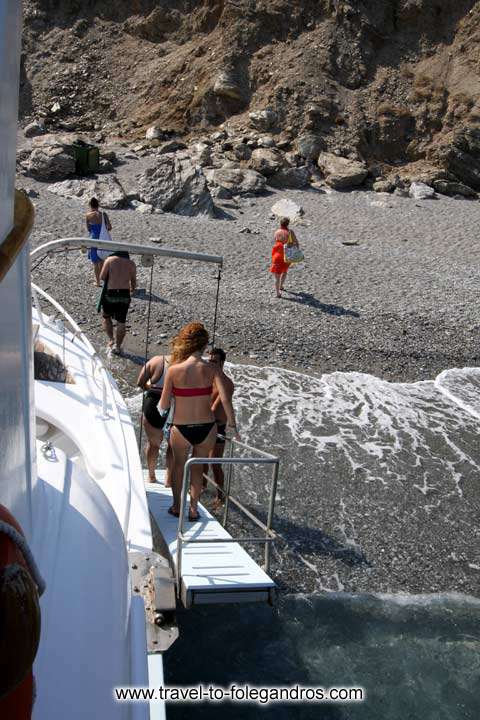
379, 563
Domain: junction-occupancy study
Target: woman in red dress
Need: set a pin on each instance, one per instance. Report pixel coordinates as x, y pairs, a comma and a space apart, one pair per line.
279, 266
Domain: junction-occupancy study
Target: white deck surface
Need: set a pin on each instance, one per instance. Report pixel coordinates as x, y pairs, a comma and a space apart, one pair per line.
107, 445
211, 572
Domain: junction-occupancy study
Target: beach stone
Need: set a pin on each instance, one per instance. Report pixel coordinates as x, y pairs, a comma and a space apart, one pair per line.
171, 146
154, 132
420, 191
144, 208
237, 181
309, 146
292, 177
383, 186
340, 172
107, 189
287, 208
263, 119
34, 129
266, 161
176, 185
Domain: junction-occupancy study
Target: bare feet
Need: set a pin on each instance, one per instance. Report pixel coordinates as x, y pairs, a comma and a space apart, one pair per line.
193, 515
152, 478
172, 511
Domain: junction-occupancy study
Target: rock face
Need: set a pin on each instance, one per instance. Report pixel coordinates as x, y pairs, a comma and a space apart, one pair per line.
265, 161
342, 173
368, 76
236, 181
106, 188
175, 185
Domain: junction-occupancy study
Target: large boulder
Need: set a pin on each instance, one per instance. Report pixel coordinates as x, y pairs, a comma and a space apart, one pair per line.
49, 162
106, 188
176, 185
263, 119
266, 161
291, 177
287, 208
236, 181
341, 173
448, 187
420, 191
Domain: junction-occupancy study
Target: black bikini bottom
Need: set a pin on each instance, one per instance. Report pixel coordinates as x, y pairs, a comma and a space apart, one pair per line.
150, 410
195, 434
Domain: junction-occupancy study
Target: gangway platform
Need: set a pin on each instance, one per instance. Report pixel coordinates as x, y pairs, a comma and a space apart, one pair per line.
211, 572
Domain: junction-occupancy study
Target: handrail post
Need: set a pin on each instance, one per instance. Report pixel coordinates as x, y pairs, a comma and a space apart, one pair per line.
181, 520
271, 509
227, 484
37, 306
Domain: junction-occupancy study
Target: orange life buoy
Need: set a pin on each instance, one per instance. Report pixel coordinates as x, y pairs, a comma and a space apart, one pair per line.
19, 624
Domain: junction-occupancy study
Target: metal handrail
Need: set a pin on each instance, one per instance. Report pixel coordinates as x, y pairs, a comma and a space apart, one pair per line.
270, 536
77, 243
105, 380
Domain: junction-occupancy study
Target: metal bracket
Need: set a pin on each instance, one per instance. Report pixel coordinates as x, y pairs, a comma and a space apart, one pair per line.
151, 577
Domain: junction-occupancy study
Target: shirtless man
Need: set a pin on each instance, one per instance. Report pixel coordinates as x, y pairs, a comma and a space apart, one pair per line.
120, 274
217, 357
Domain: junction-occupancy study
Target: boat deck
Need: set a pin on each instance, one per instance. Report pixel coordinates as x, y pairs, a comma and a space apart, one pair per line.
214, 572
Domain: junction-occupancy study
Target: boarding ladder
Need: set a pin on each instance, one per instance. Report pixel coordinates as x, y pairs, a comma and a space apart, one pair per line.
210, 565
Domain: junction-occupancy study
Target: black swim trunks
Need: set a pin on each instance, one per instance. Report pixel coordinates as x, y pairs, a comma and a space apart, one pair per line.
115, 305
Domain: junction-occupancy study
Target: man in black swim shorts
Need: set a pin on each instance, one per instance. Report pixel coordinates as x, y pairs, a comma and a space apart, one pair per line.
120, 275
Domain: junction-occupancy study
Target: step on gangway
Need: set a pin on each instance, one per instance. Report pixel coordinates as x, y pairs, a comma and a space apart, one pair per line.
210, 565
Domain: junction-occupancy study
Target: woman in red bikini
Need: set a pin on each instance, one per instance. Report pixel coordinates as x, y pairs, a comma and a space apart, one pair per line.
279, 267
189, 380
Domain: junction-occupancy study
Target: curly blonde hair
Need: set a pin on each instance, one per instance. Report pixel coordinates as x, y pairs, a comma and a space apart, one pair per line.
191, 338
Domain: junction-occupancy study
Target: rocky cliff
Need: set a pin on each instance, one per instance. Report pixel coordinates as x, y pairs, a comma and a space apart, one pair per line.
392, 82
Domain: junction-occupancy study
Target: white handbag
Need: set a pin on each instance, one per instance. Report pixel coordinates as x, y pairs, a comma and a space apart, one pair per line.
104, 235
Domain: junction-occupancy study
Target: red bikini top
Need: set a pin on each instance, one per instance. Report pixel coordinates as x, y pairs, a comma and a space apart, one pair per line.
192, 392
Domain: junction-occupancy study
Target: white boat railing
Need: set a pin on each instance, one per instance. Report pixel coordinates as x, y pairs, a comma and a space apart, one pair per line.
82, 243
270, 536
107, 389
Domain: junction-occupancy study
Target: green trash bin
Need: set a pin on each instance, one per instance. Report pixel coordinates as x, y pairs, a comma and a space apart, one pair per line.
87, 158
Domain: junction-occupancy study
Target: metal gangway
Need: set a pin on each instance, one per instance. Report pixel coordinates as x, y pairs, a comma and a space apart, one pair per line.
210, 565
